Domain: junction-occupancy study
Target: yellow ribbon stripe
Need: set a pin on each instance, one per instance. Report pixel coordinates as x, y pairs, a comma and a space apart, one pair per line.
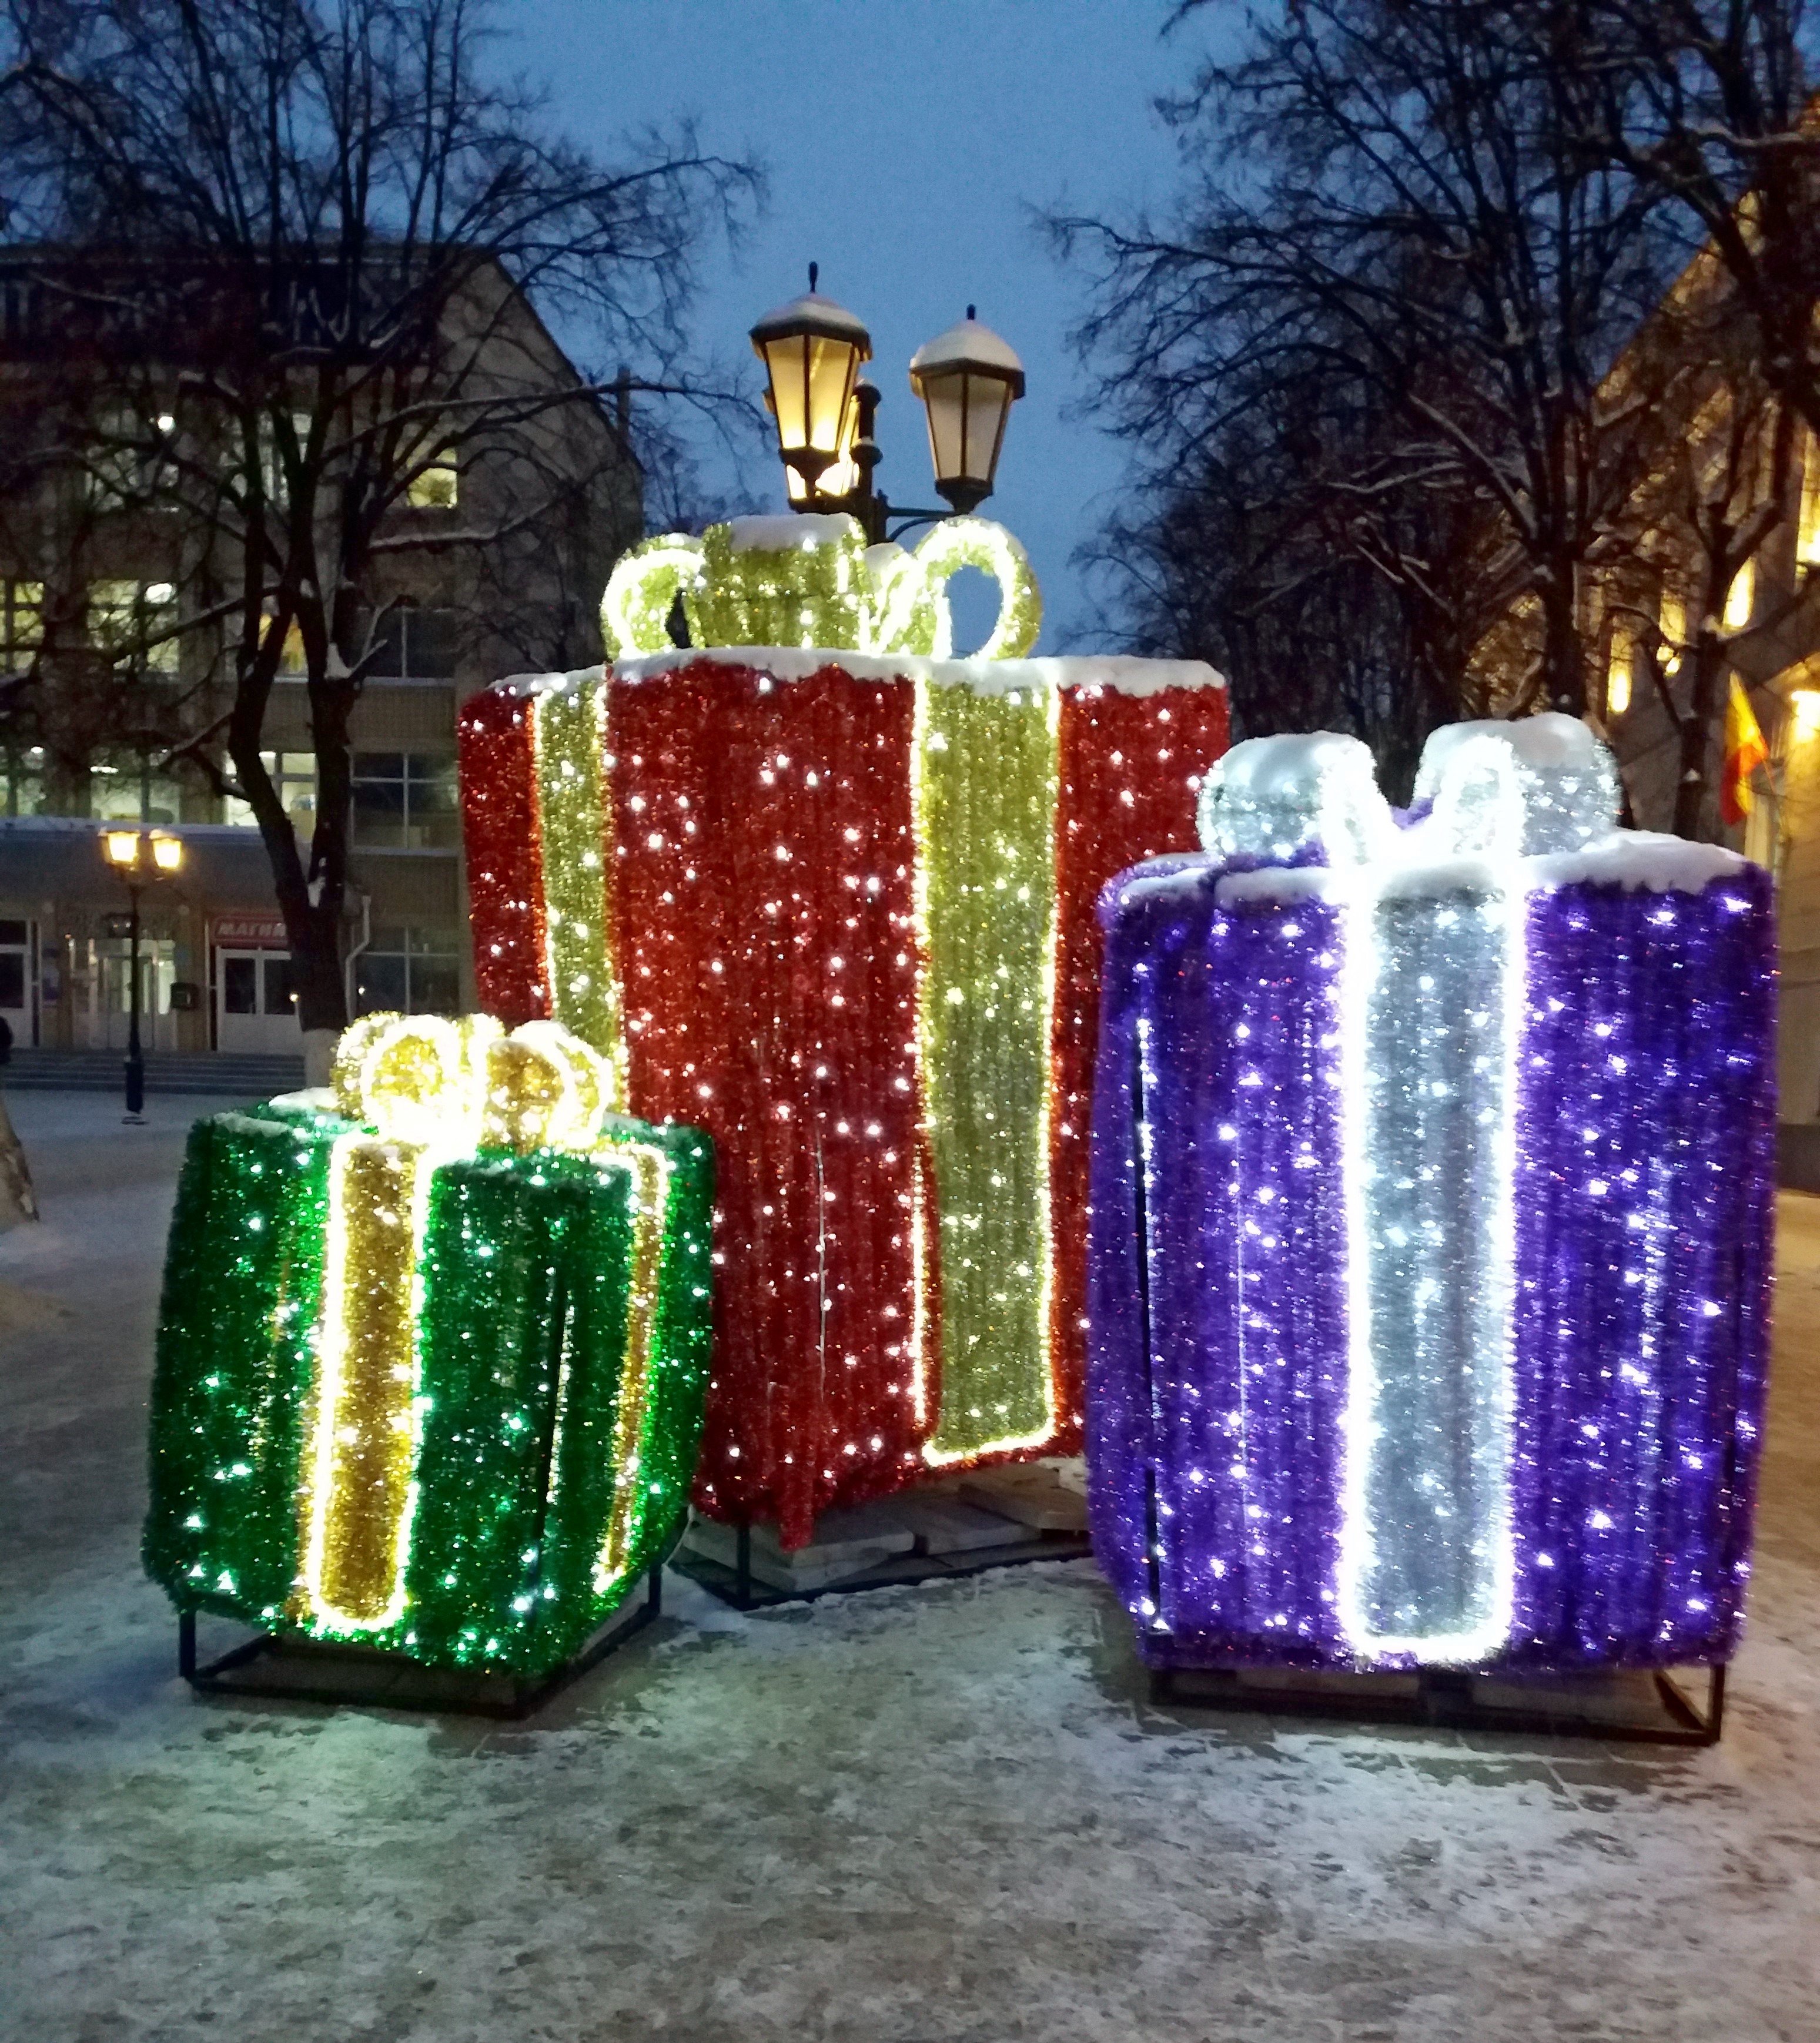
428, 1090
650, 1200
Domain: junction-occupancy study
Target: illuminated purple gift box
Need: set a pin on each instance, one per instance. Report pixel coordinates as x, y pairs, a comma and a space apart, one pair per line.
1432, 1199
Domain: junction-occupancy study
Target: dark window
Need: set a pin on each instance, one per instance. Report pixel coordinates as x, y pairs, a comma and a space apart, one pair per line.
430, 645
379, 984
11, 979
278, 985
411, 970
414, 645
404, 800
435, 985
240, 986
12, 933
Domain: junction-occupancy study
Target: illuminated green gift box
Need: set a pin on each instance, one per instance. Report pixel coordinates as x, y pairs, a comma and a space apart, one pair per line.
432, 1350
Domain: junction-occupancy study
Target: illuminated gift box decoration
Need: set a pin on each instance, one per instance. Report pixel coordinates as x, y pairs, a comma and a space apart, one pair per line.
838, 908
1432, 1177
432, 1350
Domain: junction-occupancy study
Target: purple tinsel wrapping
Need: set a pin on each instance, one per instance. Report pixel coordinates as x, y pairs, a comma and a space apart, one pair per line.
1218, 1304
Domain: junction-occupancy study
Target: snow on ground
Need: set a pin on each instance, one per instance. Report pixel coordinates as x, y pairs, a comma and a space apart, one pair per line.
935, 1816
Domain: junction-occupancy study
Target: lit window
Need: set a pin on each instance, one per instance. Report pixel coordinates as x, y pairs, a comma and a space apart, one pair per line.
125, 787
135, 623
21, 623
23, 767
433, 487
294, 775
1741, 598
1618, 673
1808, 535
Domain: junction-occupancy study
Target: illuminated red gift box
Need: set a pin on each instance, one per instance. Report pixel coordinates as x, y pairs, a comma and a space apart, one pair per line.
838, 909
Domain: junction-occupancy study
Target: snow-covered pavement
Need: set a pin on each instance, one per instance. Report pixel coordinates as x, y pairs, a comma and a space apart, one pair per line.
936, 1815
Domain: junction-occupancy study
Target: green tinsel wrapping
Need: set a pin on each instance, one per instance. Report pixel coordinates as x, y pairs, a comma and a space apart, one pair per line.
986, 802
526, 1267
236, 1359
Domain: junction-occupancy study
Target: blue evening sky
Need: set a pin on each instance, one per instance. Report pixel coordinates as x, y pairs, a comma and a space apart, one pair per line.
906, 143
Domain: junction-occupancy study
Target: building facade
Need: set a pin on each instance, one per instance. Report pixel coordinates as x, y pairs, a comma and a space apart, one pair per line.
470, 584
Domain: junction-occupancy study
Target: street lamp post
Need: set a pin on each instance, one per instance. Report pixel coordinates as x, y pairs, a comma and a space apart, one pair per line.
967, 378
122, 850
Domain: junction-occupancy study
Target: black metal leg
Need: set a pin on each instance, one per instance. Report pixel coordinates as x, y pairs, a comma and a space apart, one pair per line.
653, 1592
187, 1644
1705, 1730
743, 1546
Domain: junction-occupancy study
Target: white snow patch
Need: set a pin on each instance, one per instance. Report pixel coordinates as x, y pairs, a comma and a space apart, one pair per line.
1634, 859
1269, 769
1550, 742
1115, 673
788, 532
1277, 882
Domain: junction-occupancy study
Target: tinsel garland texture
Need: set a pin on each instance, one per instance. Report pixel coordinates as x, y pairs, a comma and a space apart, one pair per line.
444, 1404
1410, 1347
846, 916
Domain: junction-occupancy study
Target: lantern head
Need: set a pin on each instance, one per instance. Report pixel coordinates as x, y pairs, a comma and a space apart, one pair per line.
967, 379
812, 349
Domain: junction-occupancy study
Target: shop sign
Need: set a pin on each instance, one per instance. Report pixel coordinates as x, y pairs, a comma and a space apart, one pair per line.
251, 932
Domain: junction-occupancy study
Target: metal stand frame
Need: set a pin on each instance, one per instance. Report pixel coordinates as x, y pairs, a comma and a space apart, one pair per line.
739, 1587
389, 1680
1443, 1700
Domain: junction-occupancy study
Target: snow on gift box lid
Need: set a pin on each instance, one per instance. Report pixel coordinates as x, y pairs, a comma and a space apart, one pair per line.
839, 907
1479, 1159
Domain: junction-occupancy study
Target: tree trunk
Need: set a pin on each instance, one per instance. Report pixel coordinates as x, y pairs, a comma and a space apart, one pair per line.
1563, 664
17, 1201
1696, 814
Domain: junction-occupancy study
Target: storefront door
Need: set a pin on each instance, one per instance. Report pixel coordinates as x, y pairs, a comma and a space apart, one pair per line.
16, 978
109, 1018
254, 1007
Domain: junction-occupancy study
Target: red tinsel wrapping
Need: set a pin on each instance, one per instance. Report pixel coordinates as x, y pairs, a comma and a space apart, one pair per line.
763, 880
1129, 771
505, 874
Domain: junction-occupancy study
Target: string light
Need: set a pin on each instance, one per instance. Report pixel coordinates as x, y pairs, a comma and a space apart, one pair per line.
852, 901
1432, 1182
433, 1349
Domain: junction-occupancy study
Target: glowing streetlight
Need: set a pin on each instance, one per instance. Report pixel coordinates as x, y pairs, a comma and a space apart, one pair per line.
122, 850
967, 380
812, 349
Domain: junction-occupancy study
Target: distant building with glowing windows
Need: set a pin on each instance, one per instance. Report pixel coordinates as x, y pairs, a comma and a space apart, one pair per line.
87, 583
1640, 606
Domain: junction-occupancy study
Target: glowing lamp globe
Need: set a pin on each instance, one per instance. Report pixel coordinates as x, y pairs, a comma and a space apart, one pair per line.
812, 349
968, 379
167, 853
121, 847
841, 477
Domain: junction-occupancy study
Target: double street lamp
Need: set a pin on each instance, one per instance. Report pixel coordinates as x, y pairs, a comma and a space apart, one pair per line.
140, 858
967, 379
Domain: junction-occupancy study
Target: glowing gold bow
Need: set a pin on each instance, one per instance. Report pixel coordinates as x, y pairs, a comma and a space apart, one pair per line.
467, 1085
424, 1089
